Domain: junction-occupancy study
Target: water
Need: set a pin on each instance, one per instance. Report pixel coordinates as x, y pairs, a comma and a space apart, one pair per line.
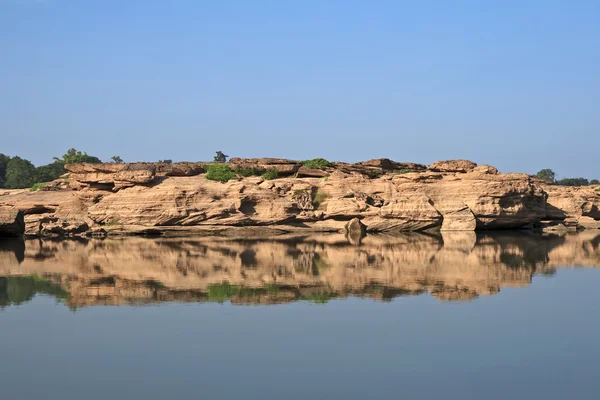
461, 316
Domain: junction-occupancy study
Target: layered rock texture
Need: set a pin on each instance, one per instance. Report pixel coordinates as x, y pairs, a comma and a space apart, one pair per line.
451, 266
384, 195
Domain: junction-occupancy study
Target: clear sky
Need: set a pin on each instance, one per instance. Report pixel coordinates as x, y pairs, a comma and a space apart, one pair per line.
512, 83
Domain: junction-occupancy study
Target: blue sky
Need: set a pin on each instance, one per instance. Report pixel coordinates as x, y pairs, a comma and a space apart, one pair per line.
515, 84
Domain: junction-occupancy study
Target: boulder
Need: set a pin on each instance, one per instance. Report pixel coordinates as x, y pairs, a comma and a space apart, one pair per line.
180, 169
453, 166
355, 230
281, 165
12, 222
389, 165
460, 220
588, 223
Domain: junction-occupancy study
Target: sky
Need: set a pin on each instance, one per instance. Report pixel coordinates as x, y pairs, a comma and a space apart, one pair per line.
514, 84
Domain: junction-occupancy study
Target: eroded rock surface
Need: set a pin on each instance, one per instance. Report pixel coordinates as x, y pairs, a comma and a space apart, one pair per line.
385, 195
12, 221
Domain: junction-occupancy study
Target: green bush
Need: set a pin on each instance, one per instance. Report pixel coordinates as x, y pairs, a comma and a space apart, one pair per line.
316, 163
374, 173
37, 186
246, 172
270, 174
219, 172
402, 171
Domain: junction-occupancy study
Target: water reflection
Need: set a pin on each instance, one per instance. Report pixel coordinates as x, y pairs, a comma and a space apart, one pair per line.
457, 266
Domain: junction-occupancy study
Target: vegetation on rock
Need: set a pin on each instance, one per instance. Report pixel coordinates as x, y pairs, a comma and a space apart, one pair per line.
550, 176
37, 186
73, 156
19, 173
116, 159
219, 172
316, 163
246, 172
546, 175
270, 174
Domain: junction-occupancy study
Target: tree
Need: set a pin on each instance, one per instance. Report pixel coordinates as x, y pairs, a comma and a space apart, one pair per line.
116, 159
166, 161
4, 160
547, 175
573, 182
50, 172
73, 156
20, 173
220, 157
594, 182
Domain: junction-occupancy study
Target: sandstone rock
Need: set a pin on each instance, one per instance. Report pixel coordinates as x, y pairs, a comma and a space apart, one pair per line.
12, 222
453, 166
180, 169
281, 165
86, 168
405, 213
480, 199
565, 201
389, 165
461, 220
63, 228
315, 173
588, 223
355, 230
485, 169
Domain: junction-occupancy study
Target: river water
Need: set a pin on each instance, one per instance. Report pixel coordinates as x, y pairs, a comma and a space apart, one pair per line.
456, 316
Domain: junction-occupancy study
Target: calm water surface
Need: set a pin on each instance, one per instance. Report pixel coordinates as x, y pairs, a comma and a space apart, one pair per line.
458, 316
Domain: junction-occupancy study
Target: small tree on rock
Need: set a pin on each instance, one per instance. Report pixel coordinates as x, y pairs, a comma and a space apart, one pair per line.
220, 157
546, 175
116, 160
73, 156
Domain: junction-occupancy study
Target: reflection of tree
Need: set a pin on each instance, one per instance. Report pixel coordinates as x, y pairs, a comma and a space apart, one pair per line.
18, 289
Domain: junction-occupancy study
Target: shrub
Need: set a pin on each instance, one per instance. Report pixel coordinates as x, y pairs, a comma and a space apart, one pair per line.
37, 186
270, 174
219, 172
594, 182
320, 197
573, 182
374, 173
402, 171
246, 172
316, 163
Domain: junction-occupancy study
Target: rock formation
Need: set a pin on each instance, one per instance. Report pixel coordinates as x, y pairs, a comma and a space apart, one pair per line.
12, 222
386, 196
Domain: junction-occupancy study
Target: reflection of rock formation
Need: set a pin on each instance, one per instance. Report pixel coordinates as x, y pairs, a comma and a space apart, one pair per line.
454, 266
